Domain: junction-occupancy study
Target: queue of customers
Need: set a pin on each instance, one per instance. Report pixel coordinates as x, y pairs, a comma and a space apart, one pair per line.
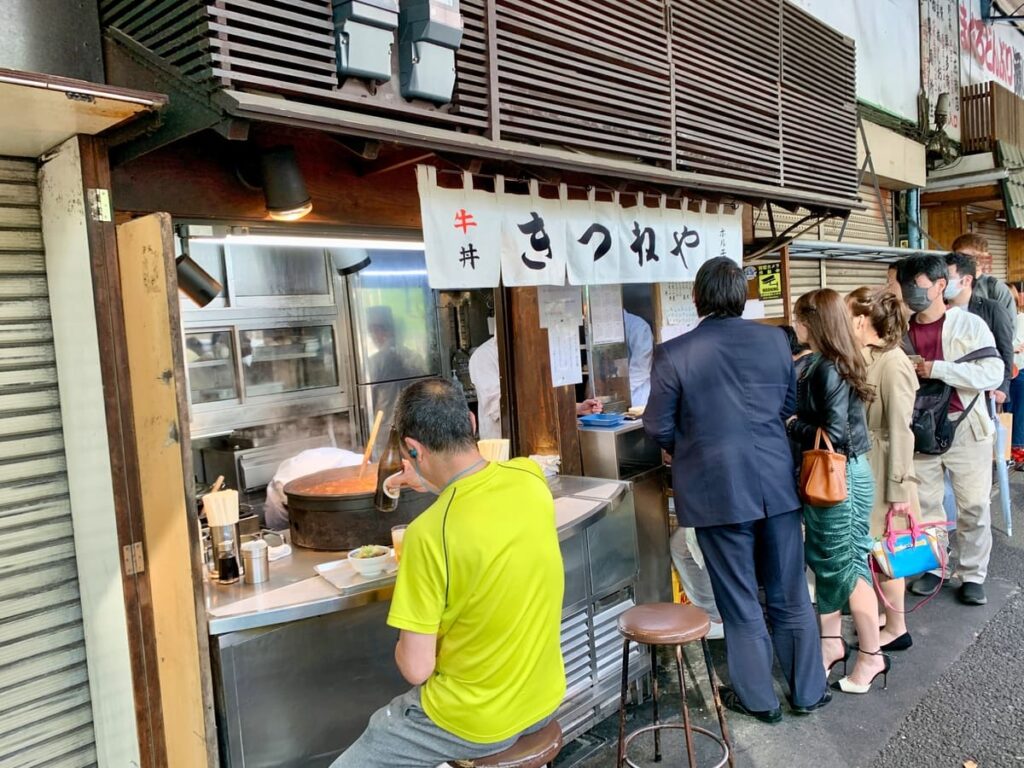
736, 404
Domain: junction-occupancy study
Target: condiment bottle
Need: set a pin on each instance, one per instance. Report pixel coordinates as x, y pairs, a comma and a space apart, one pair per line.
227, 563
390, 463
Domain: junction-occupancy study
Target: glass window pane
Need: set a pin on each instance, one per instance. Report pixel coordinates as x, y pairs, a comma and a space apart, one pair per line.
277, 360
260, 270
210, 358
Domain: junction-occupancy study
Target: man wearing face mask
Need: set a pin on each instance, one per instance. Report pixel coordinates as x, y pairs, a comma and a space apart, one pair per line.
940, 337
478, 600
987, 286
963, 273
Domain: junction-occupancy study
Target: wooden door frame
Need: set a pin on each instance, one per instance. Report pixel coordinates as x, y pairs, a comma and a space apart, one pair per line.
125, 471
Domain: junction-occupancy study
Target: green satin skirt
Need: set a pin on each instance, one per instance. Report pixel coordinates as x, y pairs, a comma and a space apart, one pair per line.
837, 541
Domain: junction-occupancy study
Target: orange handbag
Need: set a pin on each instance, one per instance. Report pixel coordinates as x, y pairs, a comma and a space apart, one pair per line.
823, 474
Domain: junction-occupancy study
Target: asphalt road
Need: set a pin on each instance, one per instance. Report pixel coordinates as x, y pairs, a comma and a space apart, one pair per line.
957, 696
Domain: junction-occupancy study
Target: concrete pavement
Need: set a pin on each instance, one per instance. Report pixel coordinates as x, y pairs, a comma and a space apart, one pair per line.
956, 696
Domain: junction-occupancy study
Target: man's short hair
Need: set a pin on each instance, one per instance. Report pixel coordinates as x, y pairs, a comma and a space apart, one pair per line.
434, 413
930, 265
965, 265
972, 241
720, 289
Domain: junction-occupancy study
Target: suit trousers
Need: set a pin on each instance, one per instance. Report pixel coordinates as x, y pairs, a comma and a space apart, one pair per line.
969, 464
769, 552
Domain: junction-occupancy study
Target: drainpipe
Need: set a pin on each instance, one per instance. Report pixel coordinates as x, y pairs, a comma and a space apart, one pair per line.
914, 218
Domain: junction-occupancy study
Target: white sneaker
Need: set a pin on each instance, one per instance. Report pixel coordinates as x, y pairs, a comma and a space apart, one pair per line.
717, 631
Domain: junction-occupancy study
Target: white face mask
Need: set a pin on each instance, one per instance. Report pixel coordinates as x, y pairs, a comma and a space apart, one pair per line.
954, 286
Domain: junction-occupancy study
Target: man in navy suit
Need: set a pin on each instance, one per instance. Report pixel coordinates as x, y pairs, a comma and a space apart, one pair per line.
720, 396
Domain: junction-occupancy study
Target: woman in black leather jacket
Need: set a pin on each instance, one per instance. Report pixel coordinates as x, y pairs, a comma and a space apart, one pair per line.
831, 395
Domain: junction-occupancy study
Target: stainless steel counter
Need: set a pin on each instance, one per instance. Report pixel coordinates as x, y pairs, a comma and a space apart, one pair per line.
309, 595
297, 677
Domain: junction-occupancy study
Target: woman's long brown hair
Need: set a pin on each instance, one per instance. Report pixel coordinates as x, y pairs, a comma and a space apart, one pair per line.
824, 314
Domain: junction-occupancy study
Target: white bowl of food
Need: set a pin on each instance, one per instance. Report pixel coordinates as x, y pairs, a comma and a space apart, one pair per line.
370, 560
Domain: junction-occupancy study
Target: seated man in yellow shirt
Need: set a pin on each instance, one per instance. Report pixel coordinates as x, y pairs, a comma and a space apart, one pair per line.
478, 600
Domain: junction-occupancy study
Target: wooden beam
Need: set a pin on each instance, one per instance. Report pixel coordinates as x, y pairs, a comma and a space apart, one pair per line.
787, 302
962, 196
982, 216
545, 415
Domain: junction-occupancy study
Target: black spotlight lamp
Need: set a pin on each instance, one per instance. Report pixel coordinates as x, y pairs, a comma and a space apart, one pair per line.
283, 185
195, 282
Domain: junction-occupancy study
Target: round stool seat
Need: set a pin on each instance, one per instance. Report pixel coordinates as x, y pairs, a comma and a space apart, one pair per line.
664, 624
531, 751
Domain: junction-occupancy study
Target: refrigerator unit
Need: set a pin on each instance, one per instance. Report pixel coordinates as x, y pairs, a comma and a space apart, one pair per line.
394, 331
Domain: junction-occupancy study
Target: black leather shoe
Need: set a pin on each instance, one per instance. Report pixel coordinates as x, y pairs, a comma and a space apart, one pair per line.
796, 710
971, 594
925, 585
901, 643
732, 701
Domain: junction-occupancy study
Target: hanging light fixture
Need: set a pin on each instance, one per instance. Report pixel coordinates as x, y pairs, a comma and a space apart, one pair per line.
283, 185
195, 282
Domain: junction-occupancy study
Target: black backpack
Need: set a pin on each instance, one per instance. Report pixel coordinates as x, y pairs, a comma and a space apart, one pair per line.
933, 431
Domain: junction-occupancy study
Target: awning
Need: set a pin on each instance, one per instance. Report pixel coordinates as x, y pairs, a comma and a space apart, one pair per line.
41, 111
254, 106
814, 249
1011, 158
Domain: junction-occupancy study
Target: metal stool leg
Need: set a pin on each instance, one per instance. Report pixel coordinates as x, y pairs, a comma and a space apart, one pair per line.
718, 697
622, 704
686, 709
654, 688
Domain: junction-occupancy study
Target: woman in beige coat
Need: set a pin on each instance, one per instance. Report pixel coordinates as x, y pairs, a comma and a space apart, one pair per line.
880, 320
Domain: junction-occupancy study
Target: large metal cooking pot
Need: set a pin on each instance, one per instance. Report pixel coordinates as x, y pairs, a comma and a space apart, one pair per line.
339, 521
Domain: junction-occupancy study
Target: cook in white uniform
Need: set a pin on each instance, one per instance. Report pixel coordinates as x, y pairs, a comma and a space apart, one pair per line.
640, 347
483, 372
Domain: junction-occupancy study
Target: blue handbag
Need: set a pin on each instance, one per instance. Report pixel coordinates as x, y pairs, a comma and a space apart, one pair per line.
904, 553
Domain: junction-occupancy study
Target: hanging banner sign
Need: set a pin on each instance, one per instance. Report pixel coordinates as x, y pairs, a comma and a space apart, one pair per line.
473, 237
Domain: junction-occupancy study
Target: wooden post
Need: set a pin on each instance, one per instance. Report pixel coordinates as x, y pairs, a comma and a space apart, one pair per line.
545, 416
153, 334
787, 298
1015, 255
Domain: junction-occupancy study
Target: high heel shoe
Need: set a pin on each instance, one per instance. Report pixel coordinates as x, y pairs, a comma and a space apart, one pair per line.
847, 652
846, 686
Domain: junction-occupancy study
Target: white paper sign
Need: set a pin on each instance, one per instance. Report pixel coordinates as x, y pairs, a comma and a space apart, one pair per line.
564, 351
677, 307
541, 240
606, 323
560, 304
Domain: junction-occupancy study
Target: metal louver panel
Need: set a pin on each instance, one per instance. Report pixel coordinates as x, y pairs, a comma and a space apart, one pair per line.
819, 111
594, 76
608, 641
804, 276
727, 88
45, 709
177, 31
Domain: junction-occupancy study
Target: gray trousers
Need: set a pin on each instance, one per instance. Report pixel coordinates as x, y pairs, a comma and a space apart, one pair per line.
401, 735
696, 581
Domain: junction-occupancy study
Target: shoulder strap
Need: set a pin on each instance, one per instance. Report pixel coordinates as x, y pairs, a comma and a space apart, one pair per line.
908, 344
978, 354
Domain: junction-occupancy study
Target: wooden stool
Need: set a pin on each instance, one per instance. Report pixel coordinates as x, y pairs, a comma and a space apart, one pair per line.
534, 750
676, 625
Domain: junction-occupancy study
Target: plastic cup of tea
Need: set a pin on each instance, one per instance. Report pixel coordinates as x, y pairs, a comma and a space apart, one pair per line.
397, 536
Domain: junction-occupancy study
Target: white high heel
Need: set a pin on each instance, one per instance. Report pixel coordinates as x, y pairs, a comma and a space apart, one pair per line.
848, 686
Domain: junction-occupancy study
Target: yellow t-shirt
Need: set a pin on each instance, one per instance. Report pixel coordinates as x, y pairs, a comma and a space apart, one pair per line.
482, 569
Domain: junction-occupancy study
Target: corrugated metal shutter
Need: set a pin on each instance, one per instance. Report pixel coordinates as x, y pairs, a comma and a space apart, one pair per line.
804, 276
45, 709
865, 226
995, 233
846, 276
